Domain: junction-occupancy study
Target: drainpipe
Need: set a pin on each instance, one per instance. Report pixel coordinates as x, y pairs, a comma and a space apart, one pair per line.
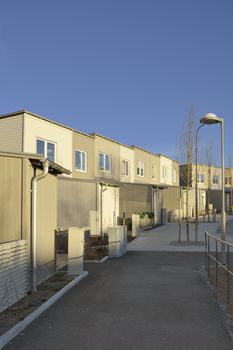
35, 180
103, 188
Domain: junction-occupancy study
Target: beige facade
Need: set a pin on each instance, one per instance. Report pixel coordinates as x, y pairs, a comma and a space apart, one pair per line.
11, 133
15, 215
93, 159
11, 198
36, 128
169, 171
155, 169
101, 158
207, 176
109, 152
83, 147
228, 177
142, 169
127, 173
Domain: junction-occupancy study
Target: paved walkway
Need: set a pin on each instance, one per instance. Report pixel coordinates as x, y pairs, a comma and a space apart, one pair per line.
164, 238
144, 300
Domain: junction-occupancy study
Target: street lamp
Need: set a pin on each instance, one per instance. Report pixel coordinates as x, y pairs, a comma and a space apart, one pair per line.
196, 191
210, 119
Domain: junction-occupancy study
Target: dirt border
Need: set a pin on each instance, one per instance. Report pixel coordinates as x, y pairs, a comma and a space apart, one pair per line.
15, 330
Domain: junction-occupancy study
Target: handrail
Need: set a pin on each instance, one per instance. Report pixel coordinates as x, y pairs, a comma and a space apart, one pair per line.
213, 255
220, 240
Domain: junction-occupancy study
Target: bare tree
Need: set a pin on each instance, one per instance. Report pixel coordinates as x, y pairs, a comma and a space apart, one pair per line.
186, 157
209, 175
230, 164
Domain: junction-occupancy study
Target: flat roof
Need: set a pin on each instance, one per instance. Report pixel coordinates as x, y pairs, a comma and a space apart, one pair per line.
91, 135
144, 150
94, 134
163, 155
45, 119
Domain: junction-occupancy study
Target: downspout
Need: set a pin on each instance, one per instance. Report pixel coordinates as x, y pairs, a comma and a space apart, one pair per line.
35, 180
101, 207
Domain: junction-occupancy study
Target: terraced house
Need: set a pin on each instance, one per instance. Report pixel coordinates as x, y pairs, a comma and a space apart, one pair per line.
108, 179
209, 184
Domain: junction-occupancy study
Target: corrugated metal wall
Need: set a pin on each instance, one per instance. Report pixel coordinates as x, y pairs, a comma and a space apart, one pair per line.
11, 134
77, 203
13, 272
10, 198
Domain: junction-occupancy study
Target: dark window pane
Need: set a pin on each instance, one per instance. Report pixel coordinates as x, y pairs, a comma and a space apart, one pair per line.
78, 160
107, 163
40, 147
101, 161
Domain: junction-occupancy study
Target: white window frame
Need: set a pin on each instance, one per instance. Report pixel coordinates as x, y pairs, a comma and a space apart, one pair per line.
82, 152
200, 175
46, 147
141, 168
125, 161
104, 158
214, 179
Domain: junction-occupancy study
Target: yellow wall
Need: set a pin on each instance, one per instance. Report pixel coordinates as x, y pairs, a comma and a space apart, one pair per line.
113, 149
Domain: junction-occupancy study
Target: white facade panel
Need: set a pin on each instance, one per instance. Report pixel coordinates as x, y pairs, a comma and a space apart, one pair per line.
127, 154
109, 206
166, 171
36, 128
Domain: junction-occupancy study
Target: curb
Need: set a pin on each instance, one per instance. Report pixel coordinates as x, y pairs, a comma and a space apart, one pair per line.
131, 243
96, 261
15, 330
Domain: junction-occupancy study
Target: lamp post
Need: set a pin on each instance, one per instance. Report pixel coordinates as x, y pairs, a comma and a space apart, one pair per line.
196, 192
210, 119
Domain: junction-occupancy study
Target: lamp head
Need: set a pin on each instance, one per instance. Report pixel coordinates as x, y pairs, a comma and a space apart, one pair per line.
210, 118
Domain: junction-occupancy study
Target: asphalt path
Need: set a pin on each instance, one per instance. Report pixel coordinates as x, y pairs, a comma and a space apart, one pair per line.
143, 300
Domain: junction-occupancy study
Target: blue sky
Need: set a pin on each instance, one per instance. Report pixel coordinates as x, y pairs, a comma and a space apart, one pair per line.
128, 69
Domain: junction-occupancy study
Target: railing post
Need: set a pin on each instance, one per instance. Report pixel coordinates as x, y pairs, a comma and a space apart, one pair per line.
216, 263
228, 275
206, 251
208, 257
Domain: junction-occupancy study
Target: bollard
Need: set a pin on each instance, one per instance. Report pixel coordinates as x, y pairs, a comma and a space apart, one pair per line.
75, 250
117, 241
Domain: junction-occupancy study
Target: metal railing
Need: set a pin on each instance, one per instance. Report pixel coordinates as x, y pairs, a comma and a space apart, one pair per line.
223, 270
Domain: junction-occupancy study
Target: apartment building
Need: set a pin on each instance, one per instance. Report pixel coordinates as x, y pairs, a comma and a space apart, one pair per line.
24, 131
209, 183
95, 194
208, 177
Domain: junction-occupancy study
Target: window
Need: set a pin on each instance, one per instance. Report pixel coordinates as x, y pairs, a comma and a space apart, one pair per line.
164, 171
46, 148
105, 162
140, 168
200, 178
125, 167
228, 180
81, 161
215, 179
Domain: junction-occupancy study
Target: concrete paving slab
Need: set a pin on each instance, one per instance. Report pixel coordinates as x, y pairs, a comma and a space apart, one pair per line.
165, 238
143, 300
